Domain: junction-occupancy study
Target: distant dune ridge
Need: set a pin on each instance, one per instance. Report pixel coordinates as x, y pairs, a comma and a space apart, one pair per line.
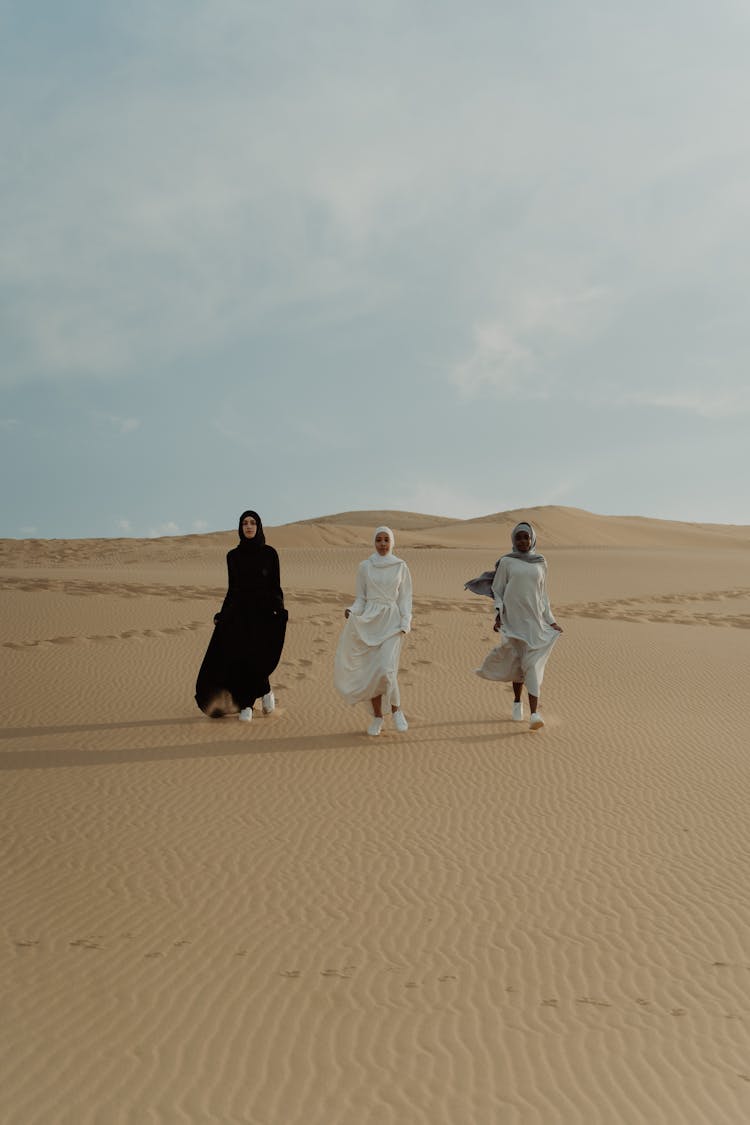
556, 526
287, 923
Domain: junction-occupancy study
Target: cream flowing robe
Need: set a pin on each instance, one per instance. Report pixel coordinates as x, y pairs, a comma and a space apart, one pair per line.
519, 589
367, 656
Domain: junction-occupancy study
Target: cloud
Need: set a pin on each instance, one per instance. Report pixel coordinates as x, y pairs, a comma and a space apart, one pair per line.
122, 425
706, 404
168, 528
517, 352
544, 204
445, 499
245, 170
125, 526
199, 525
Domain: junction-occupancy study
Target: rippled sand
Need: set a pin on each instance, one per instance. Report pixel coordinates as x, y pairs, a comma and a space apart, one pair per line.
289, 923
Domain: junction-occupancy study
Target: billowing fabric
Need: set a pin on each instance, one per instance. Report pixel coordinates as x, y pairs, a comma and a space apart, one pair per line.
366, 662
249, 631
513, 662
483, 584
362, 671
527, 637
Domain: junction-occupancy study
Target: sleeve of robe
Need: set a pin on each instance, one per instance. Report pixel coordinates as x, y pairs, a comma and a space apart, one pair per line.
547, 613
274, 581
229, 597
360, 591
499, 582
404, 600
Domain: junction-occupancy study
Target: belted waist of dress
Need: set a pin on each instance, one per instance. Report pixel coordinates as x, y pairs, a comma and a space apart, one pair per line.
379, 601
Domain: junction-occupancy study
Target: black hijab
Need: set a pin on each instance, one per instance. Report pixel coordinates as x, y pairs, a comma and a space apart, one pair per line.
258, 540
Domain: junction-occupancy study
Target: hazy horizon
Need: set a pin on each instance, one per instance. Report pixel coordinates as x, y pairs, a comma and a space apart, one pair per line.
422, 517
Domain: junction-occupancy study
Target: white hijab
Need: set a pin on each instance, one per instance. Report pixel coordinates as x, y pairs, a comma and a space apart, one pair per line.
385, 560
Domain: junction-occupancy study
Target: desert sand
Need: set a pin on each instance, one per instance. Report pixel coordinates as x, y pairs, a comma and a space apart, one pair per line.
288, 923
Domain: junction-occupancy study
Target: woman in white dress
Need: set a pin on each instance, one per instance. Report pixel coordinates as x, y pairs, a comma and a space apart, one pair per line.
366, 664
524, 620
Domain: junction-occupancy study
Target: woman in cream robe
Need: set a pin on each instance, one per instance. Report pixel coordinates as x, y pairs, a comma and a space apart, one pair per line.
366, 663
524, 619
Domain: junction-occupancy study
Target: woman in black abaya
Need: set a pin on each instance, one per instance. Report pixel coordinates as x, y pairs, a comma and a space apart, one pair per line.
249, 630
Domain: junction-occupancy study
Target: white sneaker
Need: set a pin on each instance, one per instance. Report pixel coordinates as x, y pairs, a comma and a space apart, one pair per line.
536, 722
246, 715
517, 715
399, 720
376, 725
269, 703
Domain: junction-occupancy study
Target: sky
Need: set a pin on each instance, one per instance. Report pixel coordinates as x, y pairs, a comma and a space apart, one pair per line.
447, 256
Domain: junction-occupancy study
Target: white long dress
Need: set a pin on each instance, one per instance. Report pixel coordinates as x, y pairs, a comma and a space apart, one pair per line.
520, 592
366, 662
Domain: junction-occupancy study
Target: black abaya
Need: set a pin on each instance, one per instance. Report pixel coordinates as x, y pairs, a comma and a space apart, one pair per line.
249, 631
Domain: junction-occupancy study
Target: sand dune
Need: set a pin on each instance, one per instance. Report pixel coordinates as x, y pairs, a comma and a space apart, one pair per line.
556, 526
287, 923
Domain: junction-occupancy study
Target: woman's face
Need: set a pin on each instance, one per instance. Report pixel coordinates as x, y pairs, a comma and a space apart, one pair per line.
382, 542
522, 541
249, 527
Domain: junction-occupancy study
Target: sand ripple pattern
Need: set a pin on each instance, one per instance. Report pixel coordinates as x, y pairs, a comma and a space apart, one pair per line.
673, 609
288, 923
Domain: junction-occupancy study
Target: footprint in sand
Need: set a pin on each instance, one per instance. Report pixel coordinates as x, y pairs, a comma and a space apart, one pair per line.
290, 974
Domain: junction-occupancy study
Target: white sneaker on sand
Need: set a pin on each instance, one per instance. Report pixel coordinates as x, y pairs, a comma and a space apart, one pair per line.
399, 720
517, 715
536, 722
376, 725
246, 715
269, 703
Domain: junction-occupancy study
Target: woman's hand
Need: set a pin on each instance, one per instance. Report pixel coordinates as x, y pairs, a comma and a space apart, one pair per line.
346, 613
556, 627
498, 623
